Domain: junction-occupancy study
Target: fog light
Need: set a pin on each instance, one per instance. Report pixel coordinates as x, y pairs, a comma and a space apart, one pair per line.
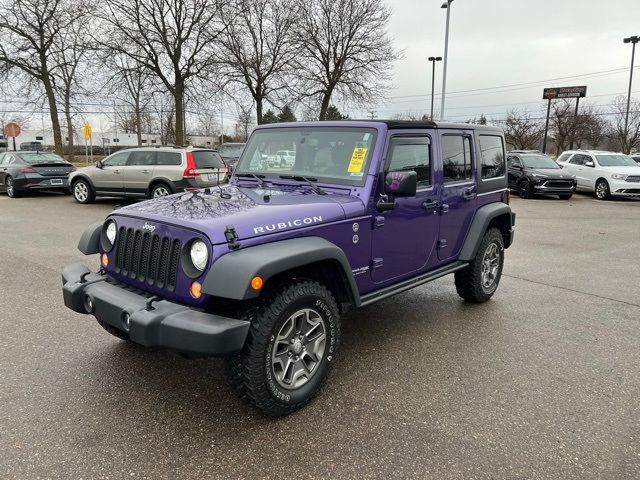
256, 282
195, 290
88, 304
104, 260
126, 320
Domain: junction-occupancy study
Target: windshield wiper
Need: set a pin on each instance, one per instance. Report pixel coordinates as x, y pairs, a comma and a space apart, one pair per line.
259, 178
308, 180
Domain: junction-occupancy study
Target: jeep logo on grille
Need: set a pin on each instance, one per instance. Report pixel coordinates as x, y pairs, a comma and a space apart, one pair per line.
146, 226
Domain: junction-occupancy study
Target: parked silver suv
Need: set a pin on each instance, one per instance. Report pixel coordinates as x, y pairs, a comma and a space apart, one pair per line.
149, 172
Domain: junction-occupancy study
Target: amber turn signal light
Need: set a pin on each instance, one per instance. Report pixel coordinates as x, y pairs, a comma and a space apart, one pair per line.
104, 260
256, 282
195, 290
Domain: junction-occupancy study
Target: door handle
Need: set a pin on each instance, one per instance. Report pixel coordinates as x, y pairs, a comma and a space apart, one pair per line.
469, 195
146, 171
429, 204
116, 172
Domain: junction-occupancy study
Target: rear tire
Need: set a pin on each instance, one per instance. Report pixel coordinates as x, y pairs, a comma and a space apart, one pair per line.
566, 196
11, 188
290, 350
479, 281
83, 192
160, 189
602, 190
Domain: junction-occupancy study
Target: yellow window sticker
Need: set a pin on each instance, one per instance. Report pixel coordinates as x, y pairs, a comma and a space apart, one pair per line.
357, 160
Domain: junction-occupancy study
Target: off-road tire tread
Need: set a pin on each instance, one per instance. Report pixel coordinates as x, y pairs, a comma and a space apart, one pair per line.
468, 280
244, 372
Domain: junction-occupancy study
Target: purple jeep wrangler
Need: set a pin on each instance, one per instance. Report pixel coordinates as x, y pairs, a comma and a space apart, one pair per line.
260, 270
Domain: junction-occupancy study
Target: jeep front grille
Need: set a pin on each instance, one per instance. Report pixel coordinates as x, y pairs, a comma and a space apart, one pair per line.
148, 257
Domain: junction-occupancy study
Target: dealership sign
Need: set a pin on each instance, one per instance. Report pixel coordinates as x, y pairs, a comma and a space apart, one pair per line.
564, 92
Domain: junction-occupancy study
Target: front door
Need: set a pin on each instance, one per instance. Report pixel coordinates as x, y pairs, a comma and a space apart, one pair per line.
404, 238
109, 178
459, 191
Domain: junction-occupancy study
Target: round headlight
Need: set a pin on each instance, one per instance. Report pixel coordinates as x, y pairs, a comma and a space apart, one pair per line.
199, 255
111, 232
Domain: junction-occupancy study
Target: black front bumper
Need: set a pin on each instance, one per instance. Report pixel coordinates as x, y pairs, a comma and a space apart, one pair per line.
160, 323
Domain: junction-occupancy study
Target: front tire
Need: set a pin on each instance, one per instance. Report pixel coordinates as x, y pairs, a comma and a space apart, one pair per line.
478, 282
10, 185
526, 190
82, 192
602, 190
290, 350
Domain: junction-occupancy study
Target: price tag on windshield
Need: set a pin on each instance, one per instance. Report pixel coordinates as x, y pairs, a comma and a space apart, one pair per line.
357, 160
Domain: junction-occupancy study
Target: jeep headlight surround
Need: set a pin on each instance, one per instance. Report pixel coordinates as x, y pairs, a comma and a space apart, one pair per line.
109, 235
619, 176
195, 257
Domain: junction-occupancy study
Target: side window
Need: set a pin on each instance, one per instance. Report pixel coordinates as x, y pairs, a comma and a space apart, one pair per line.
492, 153
411, 153
564, 157
116, 160
578, 159
168, 158
142, 158
514, 162
456, 157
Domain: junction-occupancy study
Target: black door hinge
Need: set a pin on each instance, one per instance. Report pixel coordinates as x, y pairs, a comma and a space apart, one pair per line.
232, 237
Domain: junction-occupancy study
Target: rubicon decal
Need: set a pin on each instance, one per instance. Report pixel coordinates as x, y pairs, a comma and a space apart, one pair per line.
298, 222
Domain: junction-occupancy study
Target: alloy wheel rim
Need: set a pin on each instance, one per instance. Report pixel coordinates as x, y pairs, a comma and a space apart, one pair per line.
490, 266
601, 190
160, 192
81, 191
9, 187
298, 349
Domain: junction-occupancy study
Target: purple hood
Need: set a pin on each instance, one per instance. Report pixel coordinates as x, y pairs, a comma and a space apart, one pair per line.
253, 212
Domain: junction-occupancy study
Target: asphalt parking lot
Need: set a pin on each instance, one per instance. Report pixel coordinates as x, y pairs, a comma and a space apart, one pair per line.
540, 382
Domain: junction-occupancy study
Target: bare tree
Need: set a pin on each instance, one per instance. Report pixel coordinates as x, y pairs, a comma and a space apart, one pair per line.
345, 50
259, 48
563, 124
629, 138
591, 127
244, 123
173, 40
29, 31
521, 131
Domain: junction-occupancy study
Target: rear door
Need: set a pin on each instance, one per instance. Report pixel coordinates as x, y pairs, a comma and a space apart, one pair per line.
459, 191
109, 178
139, 171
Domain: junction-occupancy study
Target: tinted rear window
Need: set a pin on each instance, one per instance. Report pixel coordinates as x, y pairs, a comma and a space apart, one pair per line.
168, 158
207, 159
41, 158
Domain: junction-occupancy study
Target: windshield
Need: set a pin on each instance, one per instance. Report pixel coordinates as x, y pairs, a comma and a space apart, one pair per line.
34, 158
616, 160
232, 151
539, 161
330, 154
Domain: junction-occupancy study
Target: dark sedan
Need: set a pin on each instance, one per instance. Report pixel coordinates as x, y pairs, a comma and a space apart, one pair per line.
536, 174
22, 171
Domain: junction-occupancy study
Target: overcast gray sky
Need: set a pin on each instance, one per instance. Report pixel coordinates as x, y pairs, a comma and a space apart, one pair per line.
504, 42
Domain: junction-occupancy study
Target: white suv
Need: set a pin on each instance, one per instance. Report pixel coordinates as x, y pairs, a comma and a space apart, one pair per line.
605, 173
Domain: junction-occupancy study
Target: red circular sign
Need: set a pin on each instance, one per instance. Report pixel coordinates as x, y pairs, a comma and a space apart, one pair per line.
12, 129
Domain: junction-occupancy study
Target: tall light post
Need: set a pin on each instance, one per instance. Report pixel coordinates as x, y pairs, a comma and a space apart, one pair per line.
446, 5
433, 61
633, 40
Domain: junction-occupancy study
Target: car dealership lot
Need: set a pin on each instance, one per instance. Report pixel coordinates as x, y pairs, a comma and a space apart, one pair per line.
540, 382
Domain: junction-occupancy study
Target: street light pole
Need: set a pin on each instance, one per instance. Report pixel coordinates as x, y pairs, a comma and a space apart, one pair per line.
633, 40
446, 5
433, 61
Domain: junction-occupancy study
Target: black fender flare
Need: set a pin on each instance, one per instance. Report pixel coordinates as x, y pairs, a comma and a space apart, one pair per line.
230, 276
90, 240
479, 226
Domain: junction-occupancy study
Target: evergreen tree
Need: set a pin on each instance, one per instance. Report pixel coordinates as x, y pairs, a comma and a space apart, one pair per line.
334, 114
269, 117
287, 115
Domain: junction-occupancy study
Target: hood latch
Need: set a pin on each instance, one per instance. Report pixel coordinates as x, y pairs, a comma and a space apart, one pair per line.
232, 237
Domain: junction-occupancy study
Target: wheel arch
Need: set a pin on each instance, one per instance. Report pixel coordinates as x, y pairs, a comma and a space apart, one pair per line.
155, 181
307, 257
498, 215
82, 176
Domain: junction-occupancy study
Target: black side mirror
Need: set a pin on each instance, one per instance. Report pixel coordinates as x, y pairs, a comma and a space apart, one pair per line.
99, 164
401, 183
